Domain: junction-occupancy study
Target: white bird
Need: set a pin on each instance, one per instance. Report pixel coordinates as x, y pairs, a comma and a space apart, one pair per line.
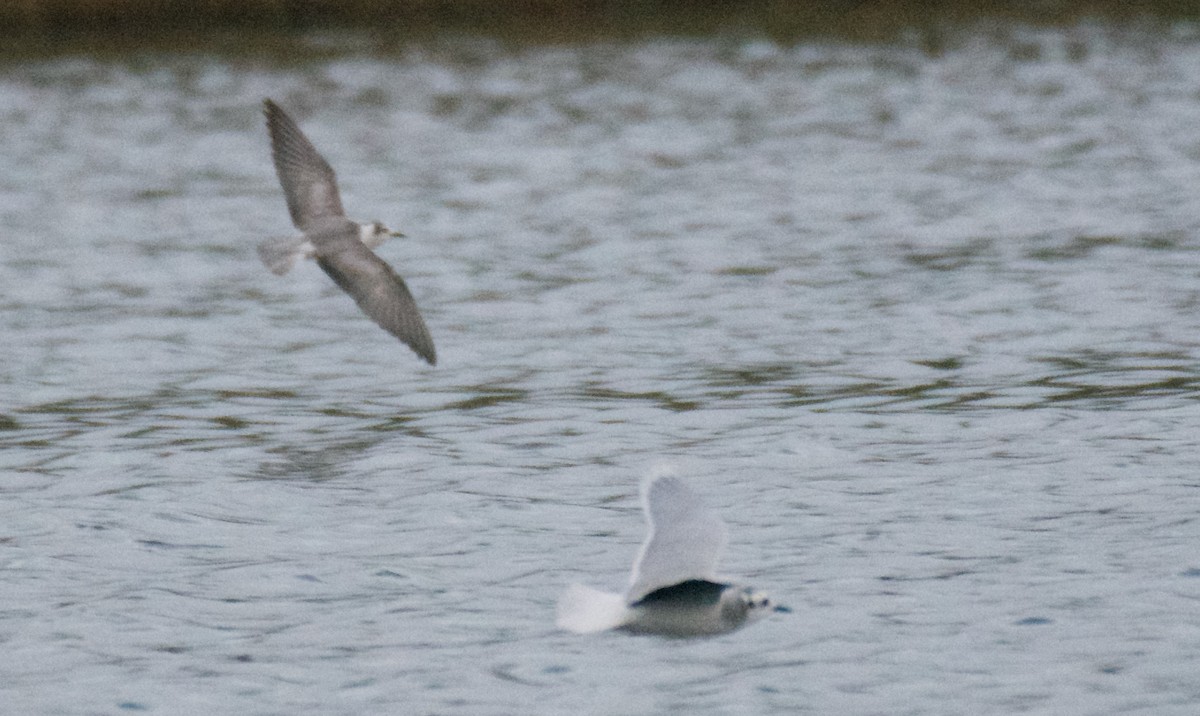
673, 590
341, 247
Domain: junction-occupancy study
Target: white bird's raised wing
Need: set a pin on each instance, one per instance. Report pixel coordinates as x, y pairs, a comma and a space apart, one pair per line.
685, 540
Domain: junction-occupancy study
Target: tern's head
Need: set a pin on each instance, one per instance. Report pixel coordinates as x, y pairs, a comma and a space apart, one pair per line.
375, 233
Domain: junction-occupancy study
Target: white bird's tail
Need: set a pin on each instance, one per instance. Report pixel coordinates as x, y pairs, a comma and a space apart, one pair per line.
281, 253
584, 610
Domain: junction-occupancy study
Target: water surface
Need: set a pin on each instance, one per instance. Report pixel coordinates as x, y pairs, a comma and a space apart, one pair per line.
922, 326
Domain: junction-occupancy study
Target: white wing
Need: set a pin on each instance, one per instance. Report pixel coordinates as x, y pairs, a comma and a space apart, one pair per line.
685, 539
584, 610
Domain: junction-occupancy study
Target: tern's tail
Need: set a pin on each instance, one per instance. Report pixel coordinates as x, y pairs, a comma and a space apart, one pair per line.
281, 253
584, 610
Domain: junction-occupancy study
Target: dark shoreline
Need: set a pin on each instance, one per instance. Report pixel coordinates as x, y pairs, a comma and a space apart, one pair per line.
551, 20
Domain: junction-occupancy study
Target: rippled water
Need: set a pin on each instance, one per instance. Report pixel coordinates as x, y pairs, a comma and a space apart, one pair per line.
922, 326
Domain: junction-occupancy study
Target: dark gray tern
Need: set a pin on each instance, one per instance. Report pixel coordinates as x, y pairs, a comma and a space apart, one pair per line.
673, 590
341, 247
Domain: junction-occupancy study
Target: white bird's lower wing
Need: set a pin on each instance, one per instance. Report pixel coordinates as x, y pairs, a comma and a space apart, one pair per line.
584, 610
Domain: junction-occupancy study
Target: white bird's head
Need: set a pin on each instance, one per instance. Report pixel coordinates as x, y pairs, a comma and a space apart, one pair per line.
740, 605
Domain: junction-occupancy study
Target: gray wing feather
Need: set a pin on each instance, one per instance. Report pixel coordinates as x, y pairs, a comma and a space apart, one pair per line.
307, 179
685, 540
380, 293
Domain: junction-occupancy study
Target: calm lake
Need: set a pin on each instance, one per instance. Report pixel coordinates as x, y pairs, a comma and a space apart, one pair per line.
922, 324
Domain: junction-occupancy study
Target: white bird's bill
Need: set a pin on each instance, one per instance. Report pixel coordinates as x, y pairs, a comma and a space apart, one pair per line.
341, 247
673, 590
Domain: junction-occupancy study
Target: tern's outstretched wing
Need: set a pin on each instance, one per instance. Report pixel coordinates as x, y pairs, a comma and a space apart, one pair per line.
684, 543
308, 181
379, 292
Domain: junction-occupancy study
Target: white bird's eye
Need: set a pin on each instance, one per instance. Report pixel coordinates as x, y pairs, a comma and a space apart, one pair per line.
757, 600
